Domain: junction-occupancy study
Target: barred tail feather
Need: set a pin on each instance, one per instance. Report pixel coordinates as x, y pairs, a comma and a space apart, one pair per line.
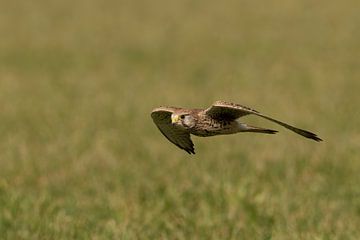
248, 128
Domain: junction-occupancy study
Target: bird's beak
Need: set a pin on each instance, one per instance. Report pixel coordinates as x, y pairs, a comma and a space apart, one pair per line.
174, 118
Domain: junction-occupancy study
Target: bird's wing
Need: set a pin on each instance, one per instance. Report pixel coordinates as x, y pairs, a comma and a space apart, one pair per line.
228, 111
232, 111
178, 136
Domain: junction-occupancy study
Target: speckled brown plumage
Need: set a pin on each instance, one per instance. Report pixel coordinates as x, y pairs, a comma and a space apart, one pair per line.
176, 124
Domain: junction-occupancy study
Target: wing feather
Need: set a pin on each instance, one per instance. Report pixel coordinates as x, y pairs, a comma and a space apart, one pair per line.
178, 136
228, 111
232, 111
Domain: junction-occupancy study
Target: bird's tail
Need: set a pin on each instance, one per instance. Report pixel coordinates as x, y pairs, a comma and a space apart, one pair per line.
248, 128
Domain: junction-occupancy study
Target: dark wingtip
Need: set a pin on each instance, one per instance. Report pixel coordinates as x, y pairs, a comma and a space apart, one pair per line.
316, 138
190, 151
310, 135
270, 131
313, 136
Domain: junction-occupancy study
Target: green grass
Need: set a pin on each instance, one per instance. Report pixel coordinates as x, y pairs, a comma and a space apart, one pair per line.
81, 159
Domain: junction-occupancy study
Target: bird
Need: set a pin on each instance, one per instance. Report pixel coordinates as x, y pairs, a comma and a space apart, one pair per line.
221, 118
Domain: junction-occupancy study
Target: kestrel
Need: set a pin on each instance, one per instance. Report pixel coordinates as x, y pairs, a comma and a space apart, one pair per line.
176, 124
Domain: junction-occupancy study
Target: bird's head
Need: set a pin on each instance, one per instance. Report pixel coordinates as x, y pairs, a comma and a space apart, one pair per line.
184, 120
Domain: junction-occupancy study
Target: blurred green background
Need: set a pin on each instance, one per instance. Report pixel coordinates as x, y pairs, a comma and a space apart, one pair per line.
80, 157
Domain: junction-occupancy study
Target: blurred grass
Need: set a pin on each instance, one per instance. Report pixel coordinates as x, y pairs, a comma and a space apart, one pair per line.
80, 157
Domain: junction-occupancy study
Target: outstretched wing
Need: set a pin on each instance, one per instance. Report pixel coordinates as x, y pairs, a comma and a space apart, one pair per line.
228, 111
231, 111
178, 136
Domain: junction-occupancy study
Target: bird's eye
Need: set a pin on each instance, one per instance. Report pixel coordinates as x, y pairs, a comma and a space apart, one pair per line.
182, 116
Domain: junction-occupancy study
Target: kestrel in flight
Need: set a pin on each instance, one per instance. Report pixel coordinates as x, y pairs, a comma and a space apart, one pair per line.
176, 124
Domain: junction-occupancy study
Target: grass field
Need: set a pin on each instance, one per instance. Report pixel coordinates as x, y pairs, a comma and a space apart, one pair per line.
80, 157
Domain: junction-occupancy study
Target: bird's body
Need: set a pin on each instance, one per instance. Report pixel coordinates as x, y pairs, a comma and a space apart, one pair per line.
207, 127
221, 118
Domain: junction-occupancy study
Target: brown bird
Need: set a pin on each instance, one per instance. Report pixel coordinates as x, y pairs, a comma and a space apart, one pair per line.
176, 124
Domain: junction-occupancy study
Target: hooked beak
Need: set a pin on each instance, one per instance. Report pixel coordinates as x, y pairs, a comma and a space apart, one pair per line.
174, 118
